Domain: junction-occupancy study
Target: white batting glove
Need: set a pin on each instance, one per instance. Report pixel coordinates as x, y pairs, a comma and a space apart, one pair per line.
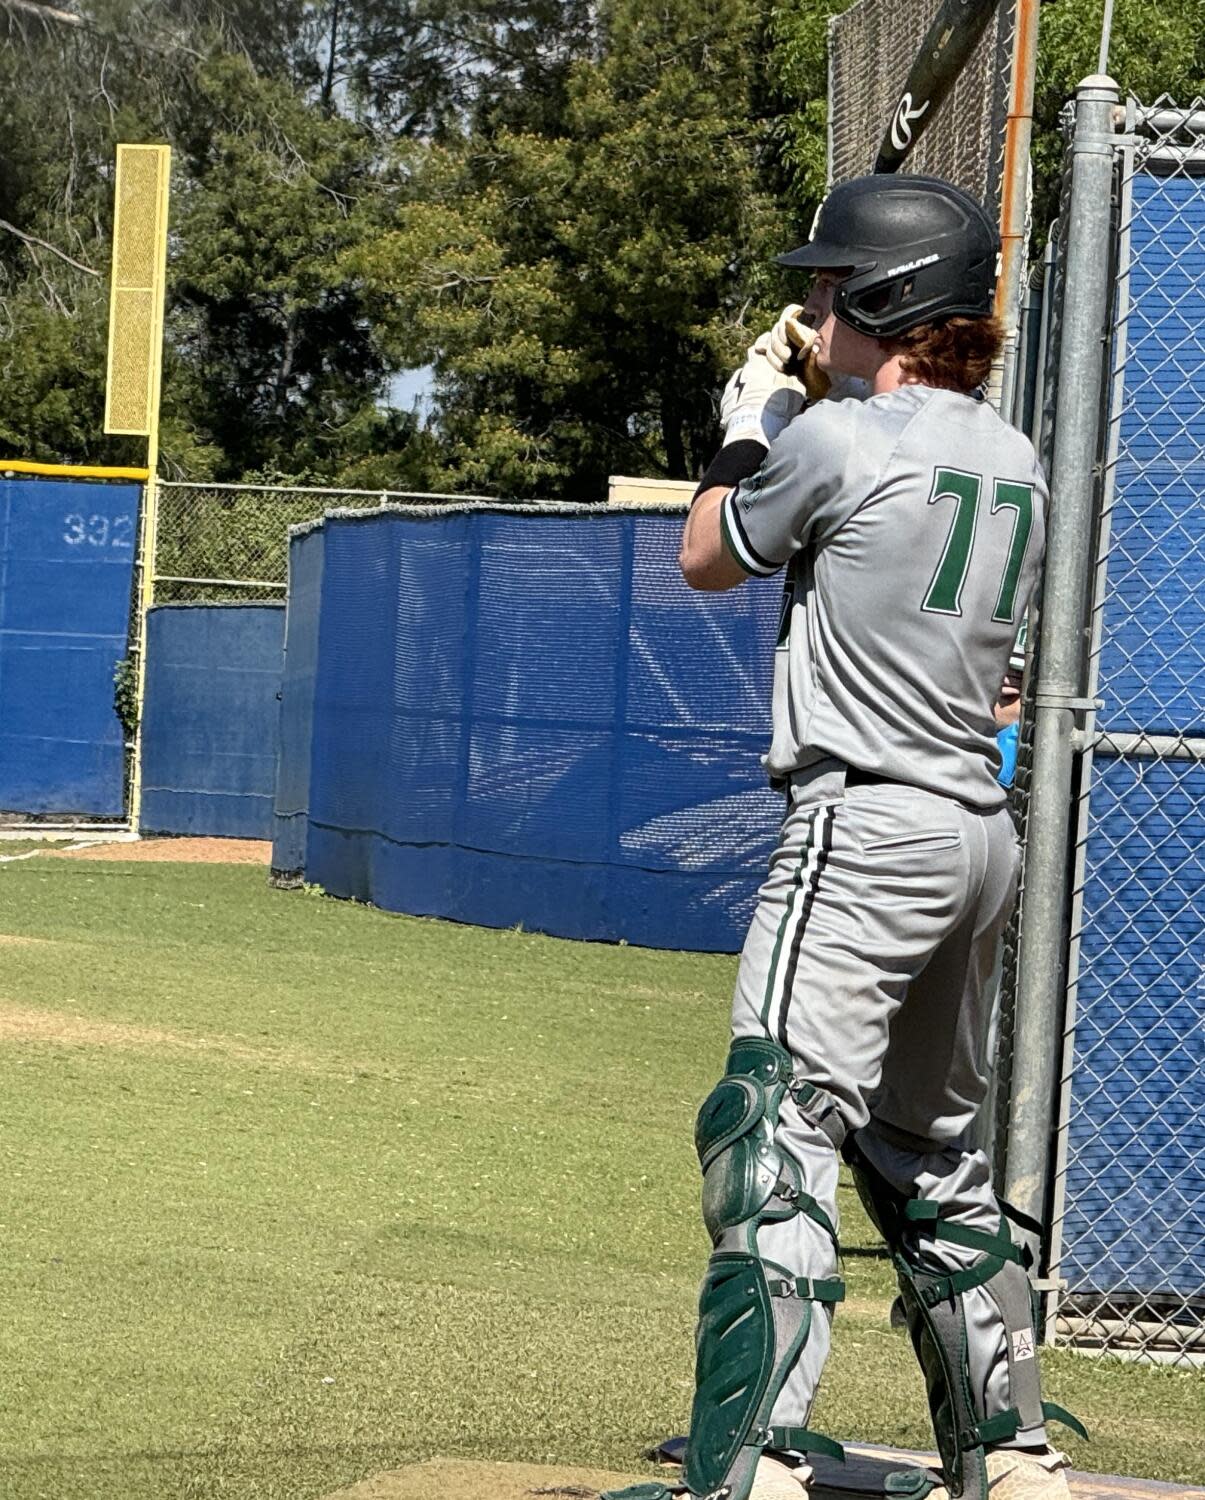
759, 400
789, 337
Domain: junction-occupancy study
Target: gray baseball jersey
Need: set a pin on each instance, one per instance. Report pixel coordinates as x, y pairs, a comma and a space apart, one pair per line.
912, 526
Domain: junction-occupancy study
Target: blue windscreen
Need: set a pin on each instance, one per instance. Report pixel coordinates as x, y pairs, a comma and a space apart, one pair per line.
1152, 675
211, 719
1135, 1188
529, 719
1135, 1215
296, 731
66, 563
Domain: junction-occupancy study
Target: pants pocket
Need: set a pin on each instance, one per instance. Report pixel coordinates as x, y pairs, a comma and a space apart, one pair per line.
914, 843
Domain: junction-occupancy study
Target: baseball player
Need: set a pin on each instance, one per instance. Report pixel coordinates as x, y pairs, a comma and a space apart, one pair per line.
911, 529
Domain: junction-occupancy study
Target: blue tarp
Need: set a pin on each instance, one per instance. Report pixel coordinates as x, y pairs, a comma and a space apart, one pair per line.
1135, 1215
529, 719
296, 734
1135, 1191
211, 719
66, 563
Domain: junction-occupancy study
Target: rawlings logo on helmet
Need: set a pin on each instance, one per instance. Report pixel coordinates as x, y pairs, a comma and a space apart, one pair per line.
912, 265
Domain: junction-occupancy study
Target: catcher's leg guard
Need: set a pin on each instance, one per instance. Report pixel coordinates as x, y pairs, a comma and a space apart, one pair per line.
936, 1317
754, 1316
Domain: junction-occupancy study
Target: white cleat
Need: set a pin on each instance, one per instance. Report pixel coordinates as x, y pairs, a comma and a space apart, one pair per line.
776, 1479
1022, 1474
1028, 1474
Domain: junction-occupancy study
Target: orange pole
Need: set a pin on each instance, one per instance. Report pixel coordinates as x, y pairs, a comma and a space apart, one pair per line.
1014, 193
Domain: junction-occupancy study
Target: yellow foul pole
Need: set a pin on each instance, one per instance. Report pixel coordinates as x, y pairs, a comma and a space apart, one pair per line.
135, 369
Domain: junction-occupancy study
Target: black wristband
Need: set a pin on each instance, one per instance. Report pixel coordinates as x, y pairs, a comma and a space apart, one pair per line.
731, 464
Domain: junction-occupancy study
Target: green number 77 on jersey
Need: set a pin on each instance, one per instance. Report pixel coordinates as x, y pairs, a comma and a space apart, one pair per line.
965, 490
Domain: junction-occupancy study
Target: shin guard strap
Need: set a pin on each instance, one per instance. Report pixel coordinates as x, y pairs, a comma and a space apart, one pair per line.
1001, 1428
1000, 1244
810, 1289
653, 1491
1022, 1221
946, 1288
797, 1440
804, 1203
1053, 1412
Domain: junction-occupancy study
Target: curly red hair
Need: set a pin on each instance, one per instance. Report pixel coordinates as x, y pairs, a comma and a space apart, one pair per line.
956, 353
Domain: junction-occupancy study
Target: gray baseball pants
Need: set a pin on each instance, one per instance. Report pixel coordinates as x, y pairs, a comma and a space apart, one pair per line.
869, 958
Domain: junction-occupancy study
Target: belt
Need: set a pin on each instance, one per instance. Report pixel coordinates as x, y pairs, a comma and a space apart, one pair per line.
855, 776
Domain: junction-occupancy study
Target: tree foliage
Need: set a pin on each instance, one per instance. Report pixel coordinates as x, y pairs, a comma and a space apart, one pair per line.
581, 291
1155, 50
798, 64
423, 69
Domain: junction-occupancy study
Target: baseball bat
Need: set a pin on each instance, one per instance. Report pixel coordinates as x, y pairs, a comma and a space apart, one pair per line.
948, 43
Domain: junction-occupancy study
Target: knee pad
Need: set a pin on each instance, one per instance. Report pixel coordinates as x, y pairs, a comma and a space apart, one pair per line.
754, 1316
934, 1310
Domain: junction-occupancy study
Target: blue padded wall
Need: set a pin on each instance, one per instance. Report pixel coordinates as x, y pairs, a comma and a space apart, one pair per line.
528, 718
1135, 1188
66, 563
211, 719
297, 703
1152, 675
1135, 1194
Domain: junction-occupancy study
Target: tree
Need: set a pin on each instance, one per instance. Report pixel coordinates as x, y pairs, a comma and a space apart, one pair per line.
798, 71
425, 69
583, 291
1156, 50
56, 215
274, 359
268, 360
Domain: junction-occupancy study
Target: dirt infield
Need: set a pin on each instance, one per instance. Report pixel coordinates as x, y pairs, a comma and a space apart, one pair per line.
177, 851
450, 1479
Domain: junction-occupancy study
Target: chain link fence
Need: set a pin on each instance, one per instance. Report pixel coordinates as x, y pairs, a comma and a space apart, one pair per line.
1128, 1247
229, 543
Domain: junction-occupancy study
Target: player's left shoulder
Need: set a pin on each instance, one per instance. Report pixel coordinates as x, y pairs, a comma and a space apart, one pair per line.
1019, 444
974, 410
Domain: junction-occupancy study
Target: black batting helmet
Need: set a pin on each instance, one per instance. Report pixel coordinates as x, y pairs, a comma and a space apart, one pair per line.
915, 248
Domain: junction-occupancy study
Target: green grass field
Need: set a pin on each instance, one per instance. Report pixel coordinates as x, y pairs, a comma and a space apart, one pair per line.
298, 1191
14, 848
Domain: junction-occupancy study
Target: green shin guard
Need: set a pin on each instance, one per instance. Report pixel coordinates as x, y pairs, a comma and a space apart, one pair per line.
754, 1316
653, 1491
934, 1311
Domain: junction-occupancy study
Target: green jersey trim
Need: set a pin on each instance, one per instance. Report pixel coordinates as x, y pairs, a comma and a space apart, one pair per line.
738, 542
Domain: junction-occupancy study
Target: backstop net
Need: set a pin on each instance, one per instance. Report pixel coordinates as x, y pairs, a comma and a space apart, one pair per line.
871, 48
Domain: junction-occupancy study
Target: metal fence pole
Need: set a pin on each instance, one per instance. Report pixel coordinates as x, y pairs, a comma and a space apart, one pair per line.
1064, 620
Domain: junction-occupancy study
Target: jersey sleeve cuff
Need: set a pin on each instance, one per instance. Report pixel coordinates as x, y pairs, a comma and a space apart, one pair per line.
736, 539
